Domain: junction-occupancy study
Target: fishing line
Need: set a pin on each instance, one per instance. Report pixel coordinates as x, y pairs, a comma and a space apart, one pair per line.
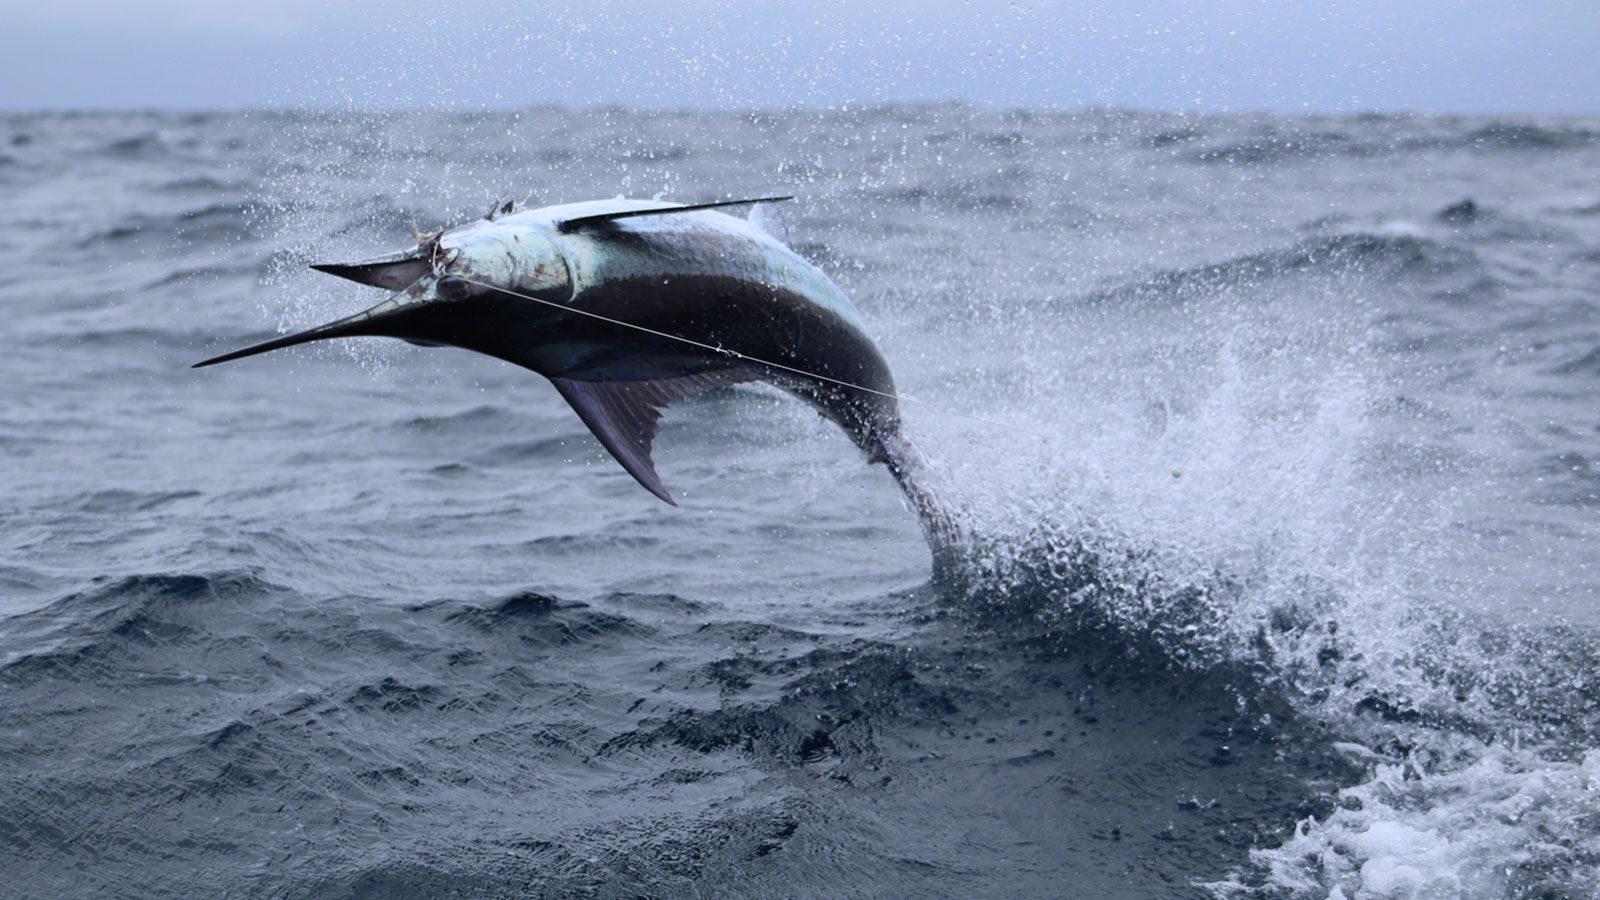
734, 354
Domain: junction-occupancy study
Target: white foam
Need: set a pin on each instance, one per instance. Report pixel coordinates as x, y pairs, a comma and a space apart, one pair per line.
1508, 823
1401, 228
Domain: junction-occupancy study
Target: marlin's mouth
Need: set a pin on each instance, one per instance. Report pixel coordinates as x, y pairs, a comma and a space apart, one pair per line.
405, 274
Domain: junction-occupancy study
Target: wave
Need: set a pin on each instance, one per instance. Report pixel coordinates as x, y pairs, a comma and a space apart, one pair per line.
1523, 136
121, 500
1572, 478
476, 421
1304, 645
200, 184
90, 634
208, 273
1274, 145
1584, 364
251, 708
1452, 720
1340, 256
215, 223
655, 153
1059, 643
136, 146
543, 619
965, 197
1509, 823
184, 339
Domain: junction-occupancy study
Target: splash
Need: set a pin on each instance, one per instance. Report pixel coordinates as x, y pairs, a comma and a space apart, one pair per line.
1229, 491
1508, 823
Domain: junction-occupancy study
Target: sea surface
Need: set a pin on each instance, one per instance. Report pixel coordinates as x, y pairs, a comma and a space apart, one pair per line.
1275, 440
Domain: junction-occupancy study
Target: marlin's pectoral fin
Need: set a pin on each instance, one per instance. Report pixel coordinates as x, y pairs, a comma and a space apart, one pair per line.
623, 414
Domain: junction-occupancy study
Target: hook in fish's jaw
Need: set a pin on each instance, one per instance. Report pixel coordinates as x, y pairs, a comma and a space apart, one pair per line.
516, 257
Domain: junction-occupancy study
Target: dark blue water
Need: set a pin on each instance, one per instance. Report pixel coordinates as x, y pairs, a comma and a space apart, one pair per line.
1281, 573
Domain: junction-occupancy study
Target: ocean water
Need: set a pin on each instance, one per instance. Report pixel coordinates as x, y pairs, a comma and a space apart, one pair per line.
1274, 439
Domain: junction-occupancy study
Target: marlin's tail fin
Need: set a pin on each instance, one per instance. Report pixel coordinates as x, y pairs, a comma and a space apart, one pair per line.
944, 534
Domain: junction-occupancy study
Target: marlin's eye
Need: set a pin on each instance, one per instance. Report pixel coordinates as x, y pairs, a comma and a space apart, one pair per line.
452, 288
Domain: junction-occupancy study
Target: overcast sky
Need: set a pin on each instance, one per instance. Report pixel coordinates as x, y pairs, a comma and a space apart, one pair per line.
1212, 55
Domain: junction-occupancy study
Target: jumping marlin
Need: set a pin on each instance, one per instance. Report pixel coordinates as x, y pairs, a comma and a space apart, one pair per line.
629, 305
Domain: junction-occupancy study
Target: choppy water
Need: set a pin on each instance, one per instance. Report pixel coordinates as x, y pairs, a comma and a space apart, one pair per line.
1286, 586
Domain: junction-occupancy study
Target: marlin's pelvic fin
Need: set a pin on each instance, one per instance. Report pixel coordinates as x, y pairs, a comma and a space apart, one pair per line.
570, 225
623, 414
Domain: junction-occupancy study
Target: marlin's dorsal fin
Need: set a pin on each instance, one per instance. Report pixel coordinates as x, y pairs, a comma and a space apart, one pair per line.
394, 273
623, 414
769, 218
571, 225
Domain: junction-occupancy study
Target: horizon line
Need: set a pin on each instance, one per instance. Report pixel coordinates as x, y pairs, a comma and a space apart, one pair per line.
842, 106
